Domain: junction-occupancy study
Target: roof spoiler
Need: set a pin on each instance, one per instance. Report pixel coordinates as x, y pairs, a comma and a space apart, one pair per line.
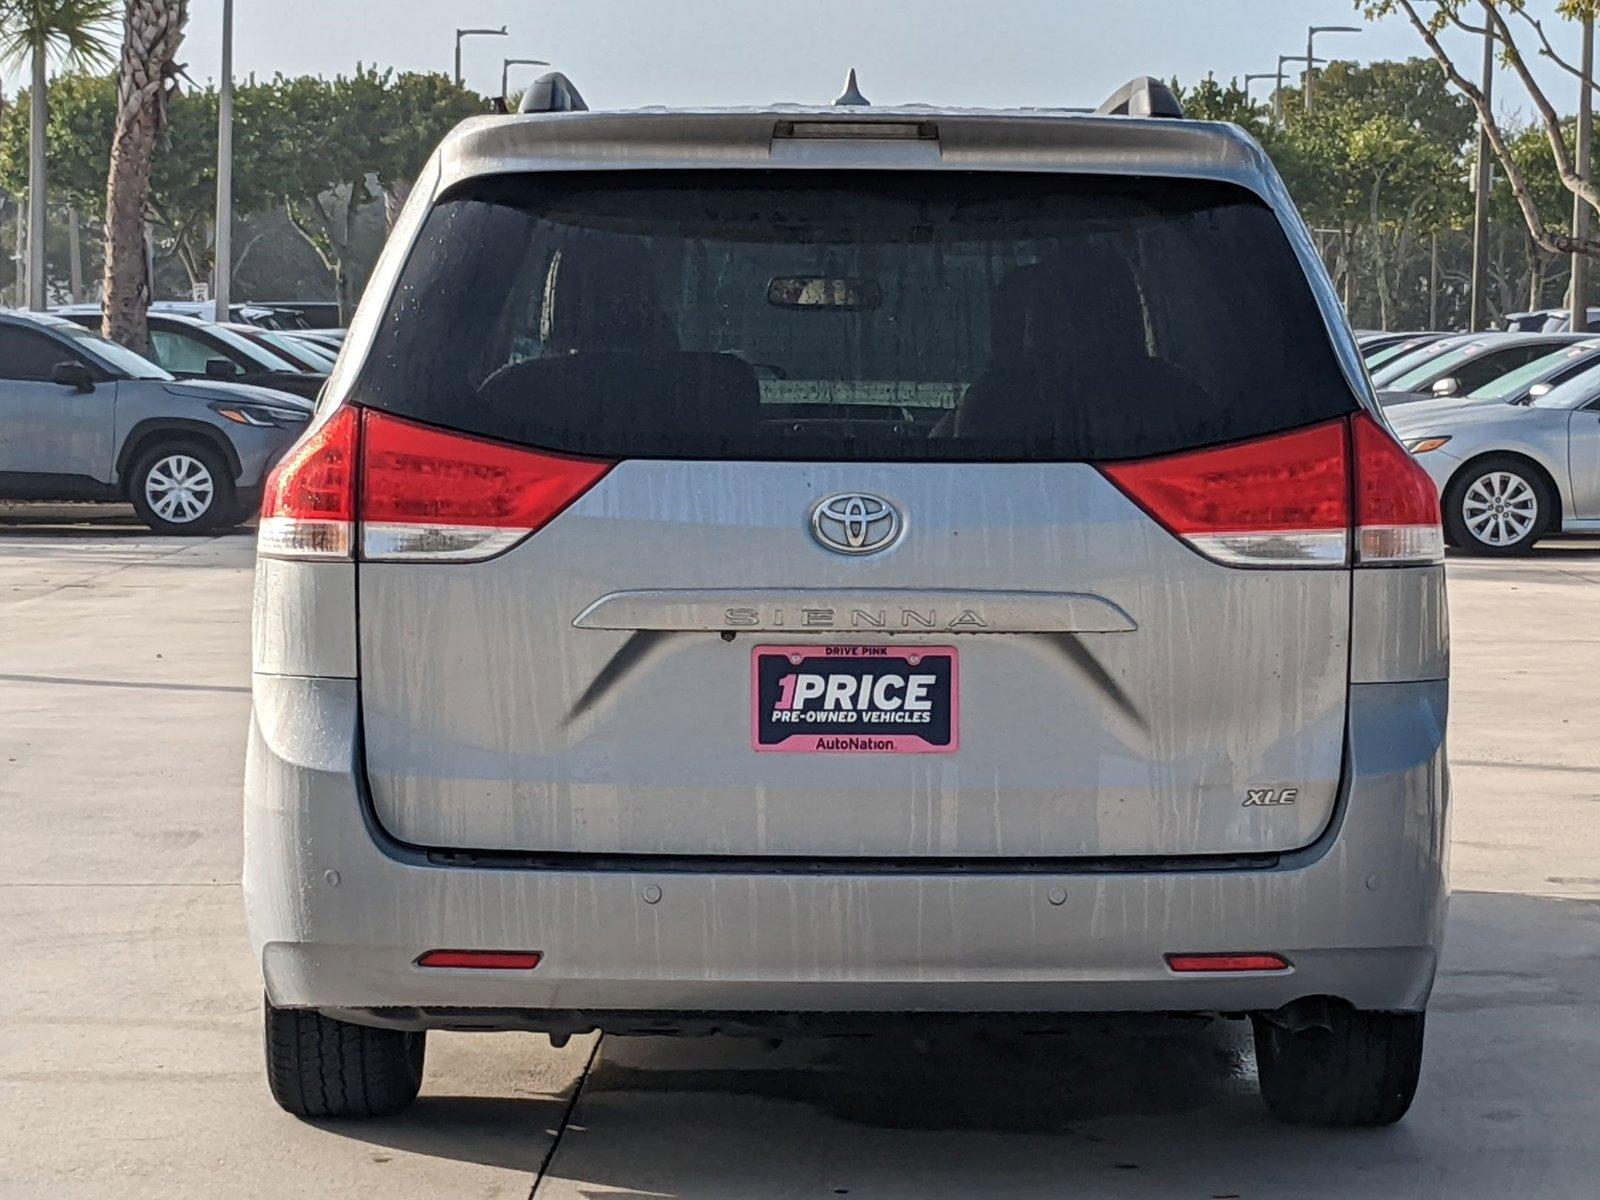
1145, 96
552, 93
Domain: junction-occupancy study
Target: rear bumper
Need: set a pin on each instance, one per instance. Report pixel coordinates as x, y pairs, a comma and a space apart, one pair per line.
338, 915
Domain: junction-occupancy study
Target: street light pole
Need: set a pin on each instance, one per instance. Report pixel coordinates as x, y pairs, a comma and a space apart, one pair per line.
1277, 92
461, 33
1580, 207
1253, 76
223, 244
505, 70
74, 256
1480, 188
1311, 35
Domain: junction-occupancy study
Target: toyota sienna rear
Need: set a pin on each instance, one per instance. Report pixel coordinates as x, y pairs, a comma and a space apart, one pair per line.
805, 569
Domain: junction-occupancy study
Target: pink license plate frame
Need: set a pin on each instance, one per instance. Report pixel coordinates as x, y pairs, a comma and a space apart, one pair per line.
869, 737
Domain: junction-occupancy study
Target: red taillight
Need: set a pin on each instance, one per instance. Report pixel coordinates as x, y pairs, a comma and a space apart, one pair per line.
1285, 500
1279, 501
482, 960
428, 494
420, 494
308, 507
1189, 963
1397, 506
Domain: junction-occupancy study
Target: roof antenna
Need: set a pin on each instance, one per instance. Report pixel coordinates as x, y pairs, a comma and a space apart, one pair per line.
851, 94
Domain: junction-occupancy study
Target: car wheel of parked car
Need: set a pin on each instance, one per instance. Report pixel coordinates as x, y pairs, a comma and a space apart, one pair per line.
1500, 505
183, 487
1360, 1069
320, 1067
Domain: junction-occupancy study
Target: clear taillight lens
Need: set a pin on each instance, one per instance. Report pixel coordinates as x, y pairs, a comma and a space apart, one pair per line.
397, 491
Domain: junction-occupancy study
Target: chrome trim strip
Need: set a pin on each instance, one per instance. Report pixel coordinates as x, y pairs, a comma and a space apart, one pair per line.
861, 611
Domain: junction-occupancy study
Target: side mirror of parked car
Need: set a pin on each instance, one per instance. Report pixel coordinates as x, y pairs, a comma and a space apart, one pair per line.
73, 375
1448, 386
220, 368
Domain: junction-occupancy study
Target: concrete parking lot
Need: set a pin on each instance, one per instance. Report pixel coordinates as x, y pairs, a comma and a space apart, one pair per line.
129, 1024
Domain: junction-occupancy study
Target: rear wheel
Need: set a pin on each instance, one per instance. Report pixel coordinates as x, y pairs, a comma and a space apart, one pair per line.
320, 1067
1500, 505
1361, 1069
183, 487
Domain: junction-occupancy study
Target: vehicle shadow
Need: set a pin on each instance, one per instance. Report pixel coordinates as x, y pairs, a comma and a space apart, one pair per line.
1123, 1107
26, 513
952, 1079
509, 1132
89, 521
1571, 548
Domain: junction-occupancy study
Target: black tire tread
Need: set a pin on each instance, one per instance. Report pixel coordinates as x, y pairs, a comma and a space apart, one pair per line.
321, 1067
1361, 1072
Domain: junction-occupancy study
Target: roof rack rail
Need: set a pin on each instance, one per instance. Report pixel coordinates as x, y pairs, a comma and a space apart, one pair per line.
1144, 96
552, 93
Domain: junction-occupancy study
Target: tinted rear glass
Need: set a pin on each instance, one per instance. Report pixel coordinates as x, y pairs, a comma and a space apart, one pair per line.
1555, 365
853, 316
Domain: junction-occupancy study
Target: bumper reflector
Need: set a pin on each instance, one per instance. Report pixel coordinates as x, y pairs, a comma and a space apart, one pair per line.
1227, 962
482, 960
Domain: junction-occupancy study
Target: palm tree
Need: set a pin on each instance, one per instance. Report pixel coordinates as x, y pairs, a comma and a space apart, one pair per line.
76, 33
152, 31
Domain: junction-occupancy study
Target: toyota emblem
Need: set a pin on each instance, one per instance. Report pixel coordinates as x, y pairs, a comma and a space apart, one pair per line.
856, 523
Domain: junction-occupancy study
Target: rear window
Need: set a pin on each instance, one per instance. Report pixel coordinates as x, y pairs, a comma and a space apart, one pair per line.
1472, 366
1553, 365
853, 316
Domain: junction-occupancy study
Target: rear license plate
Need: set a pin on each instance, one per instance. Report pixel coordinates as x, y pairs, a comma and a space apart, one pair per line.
854, 699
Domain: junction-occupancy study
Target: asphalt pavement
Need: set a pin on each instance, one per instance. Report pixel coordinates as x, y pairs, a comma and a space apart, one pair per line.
129, 1016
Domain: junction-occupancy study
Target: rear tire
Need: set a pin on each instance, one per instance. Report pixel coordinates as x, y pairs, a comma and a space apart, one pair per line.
183, 487
320, 1067
1361, 1071
1497, 506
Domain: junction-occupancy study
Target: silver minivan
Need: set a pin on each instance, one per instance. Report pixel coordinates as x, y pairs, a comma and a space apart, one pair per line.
790, 570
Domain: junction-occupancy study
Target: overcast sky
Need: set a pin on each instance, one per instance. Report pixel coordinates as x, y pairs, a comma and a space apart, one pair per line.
626, 53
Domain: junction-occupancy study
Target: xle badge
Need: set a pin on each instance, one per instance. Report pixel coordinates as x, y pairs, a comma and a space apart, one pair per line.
1270, 797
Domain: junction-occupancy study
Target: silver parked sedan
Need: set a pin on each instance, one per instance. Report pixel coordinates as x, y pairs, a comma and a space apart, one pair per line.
1510, 473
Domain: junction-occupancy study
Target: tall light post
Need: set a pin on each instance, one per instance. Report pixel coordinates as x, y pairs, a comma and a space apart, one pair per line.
223, 243
1277, 92
1311, 36
1251, 78
463, 33
1580, 207
505, 71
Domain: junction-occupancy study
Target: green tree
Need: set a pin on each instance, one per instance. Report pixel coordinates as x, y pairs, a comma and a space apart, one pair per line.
320, 152
182, 194
1377, 168
1212, 100
345, 142
75, 32
1519, 38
